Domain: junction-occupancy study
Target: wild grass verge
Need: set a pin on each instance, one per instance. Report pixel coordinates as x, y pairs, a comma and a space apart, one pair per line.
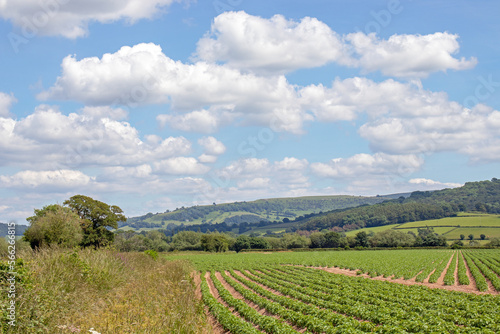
72, 291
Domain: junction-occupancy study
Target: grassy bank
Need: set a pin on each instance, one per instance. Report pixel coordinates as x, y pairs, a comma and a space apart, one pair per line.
72, 291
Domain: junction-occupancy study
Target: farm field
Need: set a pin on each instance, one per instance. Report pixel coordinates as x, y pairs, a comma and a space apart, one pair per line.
451, 228
388, 291
371, 229
461, 220
476, 231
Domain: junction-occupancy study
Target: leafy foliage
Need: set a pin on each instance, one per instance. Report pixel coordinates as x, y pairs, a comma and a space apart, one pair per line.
473, 196
98, 217
378, 215
254, 211
54, 225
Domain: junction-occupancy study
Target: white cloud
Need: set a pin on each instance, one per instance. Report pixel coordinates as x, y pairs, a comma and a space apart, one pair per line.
431, 184
57, 140
472, 132
207, 158
122, 173
196, 121
291, 163
255, 183
212, 146
204, 97
6, 101
57, 179
180, 166
246, 167
142, 74
409, 56
71, 18
116, 114
365, 166
274, 45
278, 45
201, 121
348, 98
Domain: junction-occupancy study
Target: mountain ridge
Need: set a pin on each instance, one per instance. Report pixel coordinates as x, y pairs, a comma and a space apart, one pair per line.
268, 209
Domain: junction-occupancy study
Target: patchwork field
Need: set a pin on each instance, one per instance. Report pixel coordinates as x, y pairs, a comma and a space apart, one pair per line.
459, 221
398, 291
451, 228
476, 232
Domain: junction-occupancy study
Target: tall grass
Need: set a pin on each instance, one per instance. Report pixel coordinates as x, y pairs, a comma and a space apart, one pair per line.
72, 291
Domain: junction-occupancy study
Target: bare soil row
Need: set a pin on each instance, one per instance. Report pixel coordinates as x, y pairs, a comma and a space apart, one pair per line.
471, 288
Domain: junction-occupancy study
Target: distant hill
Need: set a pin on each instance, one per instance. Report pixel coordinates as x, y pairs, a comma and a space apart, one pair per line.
19, 229
268, 210
483, 196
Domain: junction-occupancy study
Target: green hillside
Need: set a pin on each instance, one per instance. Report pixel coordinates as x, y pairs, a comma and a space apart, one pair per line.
483, 197
18, 228
452, 227
274, 209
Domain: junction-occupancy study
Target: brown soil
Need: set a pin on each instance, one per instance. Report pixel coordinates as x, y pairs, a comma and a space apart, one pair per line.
281, 294
426, 280
259, 284
456, 270
440, 280
260, 310
471, 288
472, 283
238, 295
215, 293
216, 327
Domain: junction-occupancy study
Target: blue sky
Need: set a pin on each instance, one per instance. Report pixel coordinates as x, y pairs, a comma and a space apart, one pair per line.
152, 105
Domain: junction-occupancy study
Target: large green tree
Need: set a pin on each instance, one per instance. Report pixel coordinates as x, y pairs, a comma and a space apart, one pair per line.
54, 225
215, 242
98, 217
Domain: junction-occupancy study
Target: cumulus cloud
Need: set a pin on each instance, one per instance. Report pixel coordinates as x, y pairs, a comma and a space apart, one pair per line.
204, 97
54, 139
274, 45
207, 158
6, 101
368, 166
200, 121
212, 146
116, 114
431, 184
71, 18
142, 74
180, 166
57, 179
121, 173
255, 183
279, 177
246, 167
291, 163
348, 98
473, 132
408, 56
147, 75
277, 45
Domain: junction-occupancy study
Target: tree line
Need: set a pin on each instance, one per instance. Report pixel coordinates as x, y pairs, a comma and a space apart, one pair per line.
222, 242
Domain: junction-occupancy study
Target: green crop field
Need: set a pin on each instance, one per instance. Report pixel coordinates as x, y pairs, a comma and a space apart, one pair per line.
461, 220
371, 229
488, 232
437, 229
451, 228
287, 292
